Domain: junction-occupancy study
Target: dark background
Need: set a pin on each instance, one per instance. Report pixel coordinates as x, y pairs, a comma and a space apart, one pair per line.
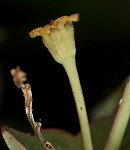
103, 58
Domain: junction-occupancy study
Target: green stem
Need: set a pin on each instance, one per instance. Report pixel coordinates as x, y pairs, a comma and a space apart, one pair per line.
71, 70
120, 123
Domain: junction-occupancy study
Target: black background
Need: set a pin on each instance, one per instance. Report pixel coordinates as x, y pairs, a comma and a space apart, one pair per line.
103, 59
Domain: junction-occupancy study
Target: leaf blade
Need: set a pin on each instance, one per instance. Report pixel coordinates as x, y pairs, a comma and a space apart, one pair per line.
11, 141
60, 139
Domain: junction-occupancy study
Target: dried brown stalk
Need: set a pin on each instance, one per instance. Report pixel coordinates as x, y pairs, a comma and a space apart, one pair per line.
19, 77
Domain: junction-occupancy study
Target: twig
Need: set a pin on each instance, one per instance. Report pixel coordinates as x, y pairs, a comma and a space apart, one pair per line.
19, 77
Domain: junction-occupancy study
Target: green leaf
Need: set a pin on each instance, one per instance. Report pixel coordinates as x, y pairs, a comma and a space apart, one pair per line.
60, 139
100, 129
11, 141
63, 140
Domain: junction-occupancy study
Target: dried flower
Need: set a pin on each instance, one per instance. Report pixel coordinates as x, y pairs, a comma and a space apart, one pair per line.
18, 77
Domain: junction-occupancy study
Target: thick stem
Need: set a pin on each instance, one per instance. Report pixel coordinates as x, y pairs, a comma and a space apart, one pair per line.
120, 123
71, 70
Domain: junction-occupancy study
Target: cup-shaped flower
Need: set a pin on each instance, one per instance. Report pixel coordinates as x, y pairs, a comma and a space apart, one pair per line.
58, 37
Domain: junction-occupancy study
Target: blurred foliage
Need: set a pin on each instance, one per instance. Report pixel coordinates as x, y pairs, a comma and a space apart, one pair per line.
63, 140
60, 139
110, 102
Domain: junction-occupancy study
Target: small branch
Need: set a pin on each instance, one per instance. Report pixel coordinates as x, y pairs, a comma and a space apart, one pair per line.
19, 77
